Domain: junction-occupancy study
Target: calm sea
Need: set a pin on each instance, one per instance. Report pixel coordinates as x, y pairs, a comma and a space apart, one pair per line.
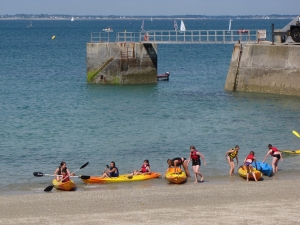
49, 112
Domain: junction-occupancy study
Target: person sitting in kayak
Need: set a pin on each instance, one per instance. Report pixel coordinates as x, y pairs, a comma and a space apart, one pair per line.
248, 164
230, 155
111, 171
195, 156
65, 176
178, 161
145, 169
58, 171
273, 151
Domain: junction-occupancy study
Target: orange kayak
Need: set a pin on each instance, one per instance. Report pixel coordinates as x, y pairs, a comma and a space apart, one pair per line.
243, 173
176, 178
121, 178
66, 186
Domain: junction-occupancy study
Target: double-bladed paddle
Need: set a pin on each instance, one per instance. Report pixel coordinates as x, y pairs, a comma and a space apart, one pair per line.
40, 174
49, 188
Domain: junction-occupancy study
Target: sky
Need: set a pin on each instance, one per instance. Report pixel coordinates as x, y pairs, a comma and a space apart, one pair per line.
151, 7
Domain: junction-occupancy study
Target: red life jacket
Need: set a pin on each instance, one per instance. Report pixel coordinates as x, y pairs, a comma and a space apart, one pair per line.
144, 168
274, 149
250, 156
194, 155
65, 178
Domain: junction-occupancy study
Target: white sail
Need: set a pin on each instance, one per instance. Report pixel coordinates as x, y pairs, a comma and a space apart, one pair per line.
72, 19
142, 27
175, 25
182, 26
229, 24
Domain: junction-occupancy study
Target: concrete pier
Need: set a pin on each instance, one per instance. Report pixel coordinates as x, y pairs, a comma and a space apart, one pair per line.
265, 68
121, 63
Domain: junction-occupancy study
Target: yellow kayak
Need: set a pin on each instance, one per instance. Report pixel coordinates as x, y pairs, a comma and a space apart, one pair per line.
291, 152
176, 178
121, 178
66, 186
243, 173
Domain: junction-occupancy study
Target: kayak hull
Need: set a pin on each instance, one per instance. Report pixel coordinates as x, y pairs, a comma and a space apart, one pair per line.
296, 152
176, 178
243, 173
121, 178
65, 186
265, 168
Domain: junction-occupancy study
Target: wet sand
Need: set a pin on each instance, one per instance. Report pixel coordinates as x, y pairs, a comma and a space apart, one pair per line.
264, 202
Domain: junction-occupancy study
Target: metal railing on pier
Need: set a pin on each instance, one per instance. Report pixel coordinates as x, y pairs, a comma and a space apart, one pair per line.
177, 37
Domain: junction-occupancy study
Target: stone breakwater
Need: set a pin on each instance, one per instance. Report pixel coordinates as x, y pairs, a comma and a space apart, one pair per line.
265, 68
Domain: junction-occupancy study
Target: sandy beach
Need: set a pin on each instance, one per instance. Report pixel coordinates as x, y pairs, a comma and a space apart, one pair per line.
264, 202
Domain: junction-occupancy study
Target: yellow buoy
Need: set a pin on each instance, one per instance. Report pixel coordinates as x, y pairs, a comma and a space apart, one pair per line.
53, 37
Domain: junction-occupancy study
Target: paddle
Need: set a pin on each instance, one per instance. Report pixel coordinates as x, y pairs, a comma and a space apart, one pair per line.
40, 174
49, 188
296, 133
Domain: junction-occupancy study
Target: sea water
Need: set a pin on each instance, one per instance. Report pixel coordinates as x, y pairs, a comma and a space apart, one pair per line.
49, 113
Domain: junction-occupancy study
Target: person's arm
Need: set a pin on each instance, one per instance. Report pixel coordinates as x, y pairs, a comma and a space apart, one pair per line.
266, 156
228, 152
148, 168
202, 156
56, 171
280, 156
189, 160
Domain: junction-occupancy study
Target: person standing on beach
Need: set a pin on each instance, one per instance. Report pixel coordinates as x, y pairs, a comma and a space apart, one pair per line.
195, 156
248, 164
273, 151
230, 155
176, 162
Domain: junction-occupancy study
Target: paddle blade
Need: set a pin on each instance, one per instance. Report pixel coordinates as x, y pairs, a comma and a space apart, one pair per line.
38, 174
49, 188
84, 165
296, 133
84, 177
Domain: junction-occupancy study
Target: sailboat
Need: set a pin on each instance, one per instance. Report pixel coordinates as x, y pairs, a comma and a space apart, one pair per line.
151, 18
182, 27
175, 25
29, 25
72, 19
229, 28
142, 27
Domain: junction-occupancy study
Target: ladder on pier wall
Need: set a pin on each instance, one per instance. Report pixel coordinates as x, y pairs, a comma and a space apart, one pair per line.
238, 69
100, 69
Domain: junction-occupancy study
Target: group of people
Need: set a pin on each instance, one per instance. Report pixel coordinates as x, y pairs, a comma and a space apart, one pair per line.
233, 154
62, 173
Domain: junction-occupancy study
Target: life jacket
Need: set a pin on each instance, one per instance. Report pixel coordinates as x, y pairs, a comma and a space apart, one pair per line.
250, 156
144, 168
179, 161
194, 155
233, 154
114, 174
274, 149
65, 178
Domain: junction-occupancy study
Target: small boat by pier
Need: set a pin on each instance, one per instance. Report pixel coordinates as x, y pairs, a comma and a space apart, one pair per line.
108, 29
163, 77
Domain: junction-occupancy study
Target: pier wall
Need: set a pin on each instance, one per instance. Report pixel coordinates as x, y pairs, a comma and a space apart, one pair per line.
265, 68
121, 63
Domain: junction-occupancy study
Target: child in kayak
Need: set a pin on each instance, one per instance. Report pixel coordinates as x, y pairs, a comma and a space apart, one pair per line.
58, 171
111, 171
195, 156
230, 155
248, 164
145, 169
65, 176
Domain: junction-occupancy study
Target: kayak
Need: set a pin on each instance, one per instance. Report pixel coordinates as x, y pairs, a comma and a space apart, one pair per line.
243, 173
176, 178
121, 178
265, 168
66, 186
296, 152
